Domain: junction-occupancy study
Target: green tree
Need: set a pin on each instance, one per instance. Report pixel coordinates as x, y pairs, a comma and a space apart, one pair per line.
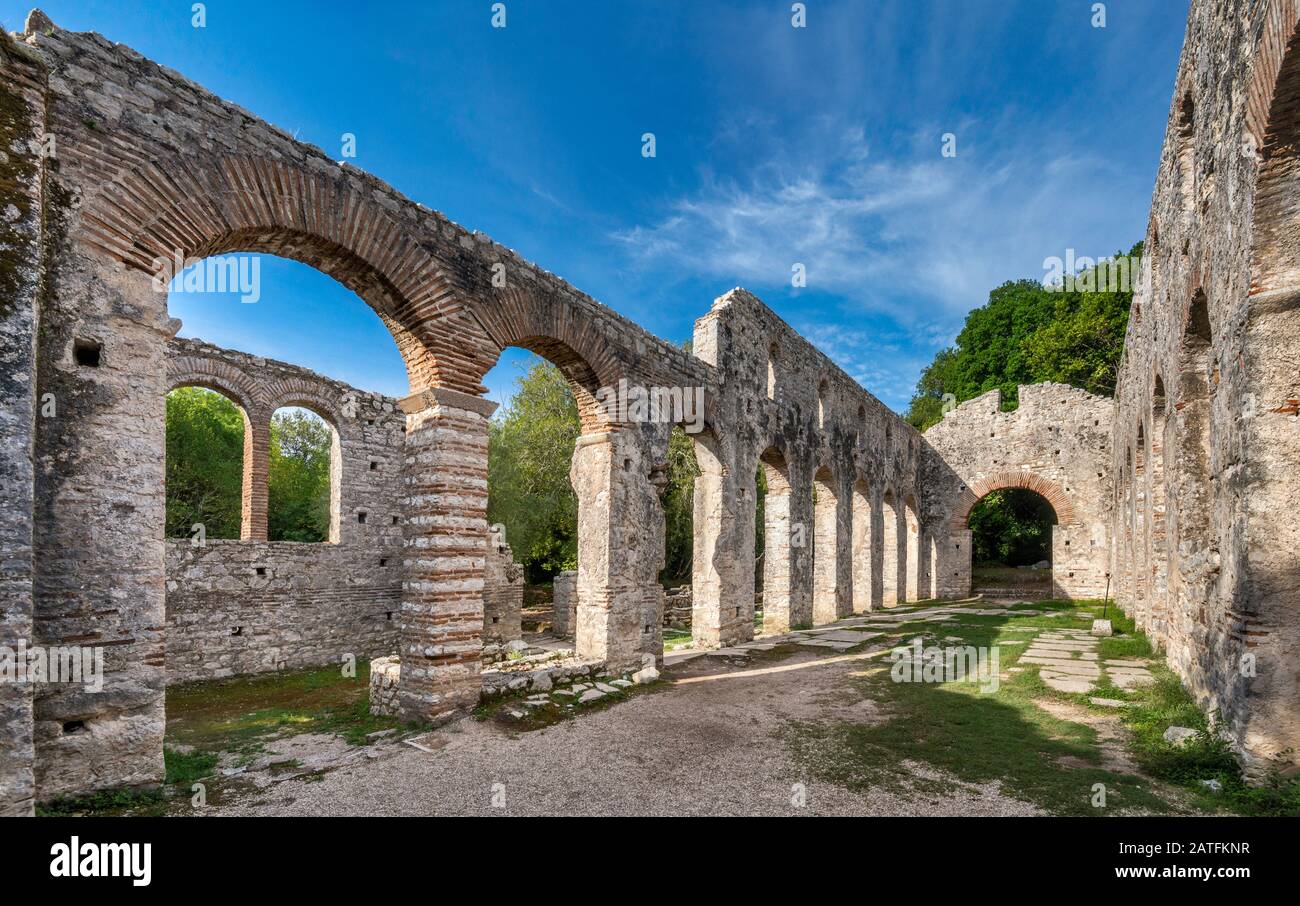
298, 477
1027, 333
1012, 526
678, 500
205, 463
530, 449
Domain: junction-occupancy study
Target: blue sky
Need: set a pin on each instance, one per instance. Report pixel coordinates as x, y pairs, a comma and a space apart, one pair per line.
775, 145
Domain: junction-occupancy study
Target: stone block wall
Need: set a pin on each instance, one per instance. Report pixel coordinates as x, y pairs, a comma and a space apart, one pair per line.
818, 435
565, 598
22, 130
503, 591
248, 606
1055, 443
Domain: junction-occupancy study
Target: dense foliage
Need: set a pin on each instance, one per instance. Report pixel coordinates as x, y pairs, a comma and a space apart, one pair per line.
298, 477
1025, 334
1012, 526
205, 464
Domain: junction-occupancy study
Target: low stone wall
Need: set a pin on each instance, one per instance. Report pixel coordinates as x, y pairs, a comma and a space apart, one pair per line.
677, 607
503, 591
239, 607
385, 672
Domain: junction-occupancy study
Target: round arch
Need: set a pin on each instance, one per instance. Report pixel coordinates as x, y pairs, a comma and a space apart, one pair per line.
1045, 488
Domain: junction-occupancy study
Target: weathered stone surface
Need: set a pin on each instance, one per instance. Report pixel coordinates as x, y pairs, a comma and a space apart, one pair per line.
1181, 489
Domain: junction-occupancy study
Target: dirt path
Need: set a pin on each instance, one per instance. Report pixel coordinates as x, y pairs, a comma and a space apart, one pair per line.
708, 742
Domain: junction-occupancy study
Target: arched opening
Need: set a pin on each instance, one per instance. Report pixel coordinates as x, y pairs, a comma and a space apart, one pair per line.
1159, 524
777, 531
861, 548
315, 581
773, 367
206, 465
532, 504
915, 562
1141, 540
893, 553
304, 478
826, 601
1011, 540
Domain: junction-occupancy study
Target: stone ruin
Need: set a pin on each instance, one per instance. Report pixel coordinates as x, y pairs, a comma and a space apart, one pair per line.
1178, 491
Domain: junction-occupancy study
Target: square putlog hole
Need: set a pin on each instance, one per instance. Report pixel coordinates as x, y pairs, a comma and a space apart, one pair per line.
87, 352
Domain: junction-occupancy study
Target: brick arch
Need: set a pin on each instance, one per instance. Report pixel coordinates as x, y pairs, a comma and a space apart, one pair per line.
1048, 490
155, 211
211, 374
565, 335
1273, 110
1279, 30
299, 392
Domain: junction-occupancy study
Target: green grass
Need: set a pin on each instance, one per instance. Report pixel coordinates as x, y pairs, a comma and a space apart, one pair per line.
974, 737
238, 715
183, 770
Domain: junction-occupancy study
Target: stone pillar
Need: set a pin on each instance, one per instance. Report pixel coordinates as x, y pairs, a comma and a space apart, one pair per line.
914, 558
257, 469
19, 286
565, 604
826, 559
802, 522
953, 564
894, 555
446, 457
722, 577
861, 567
620, 550
777, 572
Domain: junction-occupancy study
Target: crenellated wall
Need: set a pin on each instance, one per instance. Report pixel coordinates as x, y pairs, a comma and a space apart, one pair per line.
1055, 443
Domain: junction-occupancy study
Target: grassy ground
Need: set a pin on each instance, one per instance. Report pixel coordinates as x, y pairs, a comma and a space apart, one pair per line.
1009, 736
235, 719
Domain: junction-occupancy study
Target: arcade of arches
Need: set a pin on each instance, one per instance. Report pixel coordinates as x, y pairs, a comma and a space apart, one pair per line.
1178, 493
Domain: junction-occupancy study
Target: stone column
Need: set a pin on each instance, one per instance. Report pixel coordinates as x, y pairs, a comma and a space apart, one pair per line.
802, 523
257, 456
446, 457
913, 529
722, 577
777, 571
620, 551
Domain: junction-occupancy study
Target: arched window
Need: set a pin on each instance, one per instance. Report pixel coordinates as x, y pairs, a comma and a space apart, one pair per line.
206, 458
303, 478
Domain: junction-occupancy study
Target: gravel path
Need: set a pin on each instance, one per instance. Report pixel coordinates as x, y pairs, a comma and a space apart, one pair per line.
707, 743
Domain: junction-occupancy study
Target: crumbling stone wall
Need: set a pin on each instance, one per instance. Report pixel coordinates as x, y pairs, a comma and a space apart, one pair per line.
151, 167
503, 591
252, 605
1205, 443
22, 126
784, 404
564, 599
1055, 443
